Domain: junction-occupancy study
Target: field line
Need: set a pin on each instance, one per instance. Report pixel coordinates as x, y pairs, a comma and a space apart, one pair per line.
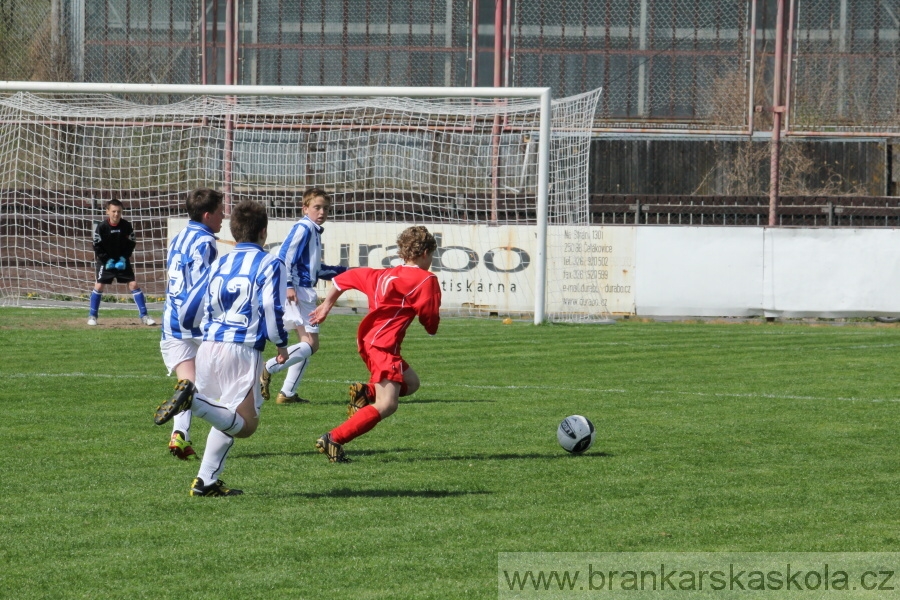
481, 387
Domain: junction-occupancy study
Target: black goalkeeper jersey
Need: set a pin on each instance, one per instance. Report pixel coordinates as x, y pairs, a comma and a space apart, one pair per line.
113, 241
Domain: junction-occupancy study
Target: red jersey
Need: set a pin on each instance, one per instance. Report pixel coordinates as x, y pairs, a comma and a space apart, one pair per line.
396, 296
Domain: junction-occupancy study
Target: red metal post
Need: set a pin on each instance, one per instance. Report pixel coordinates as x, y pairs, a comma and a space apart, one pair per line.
507, 34
777, 111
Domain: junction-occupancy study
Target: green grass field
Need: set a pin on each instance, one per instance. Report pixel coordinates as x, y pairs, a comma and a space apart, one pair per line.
711, 437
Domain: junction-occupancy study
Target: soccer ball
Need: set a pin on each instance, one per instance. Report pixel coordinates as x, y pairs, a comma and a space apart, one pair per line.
575, 434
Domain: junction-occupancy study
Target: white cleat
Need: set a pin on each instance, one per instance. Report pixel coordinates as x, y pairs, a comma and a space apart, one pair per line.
146, 320
92, 321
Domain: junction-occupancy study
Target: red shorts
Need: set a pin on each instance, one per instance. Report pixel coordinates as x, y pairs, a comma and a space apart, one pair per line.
383, 364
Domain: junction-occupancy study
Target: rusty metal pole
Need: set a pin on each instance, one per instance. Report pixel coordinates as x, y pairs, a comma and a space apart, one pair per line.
203, 42
473, 57
229, 119
777, 111
495, 130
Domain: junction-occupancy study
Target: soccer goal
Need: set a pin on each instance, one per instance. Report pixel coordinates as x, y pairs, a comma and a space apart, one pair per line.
499, 175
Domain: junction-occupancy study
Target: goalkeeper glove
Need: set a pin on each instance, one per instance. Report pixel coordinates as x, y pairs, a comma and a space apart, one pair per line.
110, 264
121, 263
328, 272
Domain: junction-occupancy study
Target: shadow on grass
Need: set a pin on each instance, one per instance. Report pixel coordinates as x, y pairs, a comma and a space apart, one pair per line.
411, 455
351, 493
443, 401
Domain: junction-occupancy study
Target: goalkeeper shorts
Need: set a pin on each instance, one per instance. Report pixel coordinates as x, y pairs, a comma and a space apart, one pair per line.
105, 275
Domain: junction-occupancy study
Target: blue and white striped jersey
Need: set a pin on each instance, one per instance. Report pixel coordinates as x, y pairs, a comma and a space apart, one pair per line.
301, 252
187, 264
245, 299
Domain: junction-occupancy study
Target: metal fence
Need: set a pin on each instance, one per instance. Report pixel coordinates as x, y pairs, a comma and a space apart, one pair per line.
659, 62
698, 66
845, 66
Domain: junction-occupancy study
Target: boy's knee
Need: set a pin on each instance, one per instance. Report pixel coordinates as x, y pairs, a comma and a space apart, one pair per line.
410, 383
312, 340
386, 406
248, 429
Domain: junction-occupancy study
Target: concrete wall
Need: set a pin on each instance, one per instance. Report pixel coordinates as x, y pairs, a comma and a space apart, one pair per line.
720, 271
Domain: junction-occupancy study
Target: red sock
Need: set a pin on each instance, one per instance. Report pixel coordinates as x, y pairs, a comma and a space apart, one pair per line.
362, 421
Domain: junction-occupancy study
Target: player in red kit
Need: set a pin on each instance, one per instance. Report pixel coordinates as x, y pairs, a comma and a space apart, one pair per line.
396, 296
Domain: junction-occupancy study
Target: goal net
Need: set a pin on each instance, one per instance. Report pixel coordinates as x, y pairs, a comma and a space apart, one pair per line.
469, 167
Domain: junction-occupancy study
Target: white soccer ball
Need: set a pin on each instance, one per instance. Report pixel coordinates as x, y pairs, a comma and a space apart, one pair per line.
575, 434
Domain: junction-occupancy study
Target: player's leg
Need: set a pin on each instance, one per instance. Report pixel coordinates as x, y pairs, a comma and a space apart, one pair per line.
218, 444
236, 368
97, 294
179, 357
207, 482
288, 393
299, 354
387, 381
361, 394
218, 374
411, 381
180, 445
138, 296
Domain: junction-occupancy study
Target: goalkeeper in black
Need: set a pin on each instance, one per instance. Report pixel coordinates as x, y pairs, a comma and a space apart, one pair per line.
114, 243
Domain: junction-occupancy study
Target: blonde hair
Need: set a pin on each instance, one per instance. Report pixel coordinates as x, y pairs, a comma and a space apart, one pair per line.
313, 193
414, 242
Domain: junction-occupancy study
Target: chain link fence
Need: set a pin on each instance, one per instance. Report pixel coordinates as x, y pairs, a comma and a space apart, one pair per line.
26, 40
663, 64
846, 68
660, 62
363, 42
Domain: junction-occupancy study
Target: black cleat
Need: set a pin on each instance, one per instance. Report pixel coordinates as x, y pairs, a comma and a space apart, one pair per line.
216, 488
180, 401
331, 449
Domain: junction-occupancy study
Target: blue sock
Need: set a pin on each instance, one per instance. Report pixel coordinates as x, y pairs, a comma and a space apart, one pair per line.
138, 296
95, 302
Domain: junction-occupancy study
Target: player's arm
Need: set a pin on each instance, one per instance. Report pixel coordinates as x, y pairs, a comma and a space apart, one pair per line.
272, 299
329, 272
318, 316
130, 243
428, 305
99, 251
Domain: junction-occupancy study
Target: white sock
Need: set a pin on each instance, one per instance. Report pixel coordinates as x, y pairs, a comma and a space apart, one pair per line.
294, 377
218, 416
297, 352
217, 446
182, 422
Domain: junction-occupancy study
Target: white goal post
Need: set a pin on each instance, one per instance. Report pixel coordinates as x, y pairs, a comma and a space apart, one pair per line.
498, 174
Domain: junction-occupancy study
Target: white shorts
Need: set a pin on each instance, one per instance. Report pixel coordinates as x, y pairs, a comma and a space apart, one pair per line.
175, 351
226, 372
298, 314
